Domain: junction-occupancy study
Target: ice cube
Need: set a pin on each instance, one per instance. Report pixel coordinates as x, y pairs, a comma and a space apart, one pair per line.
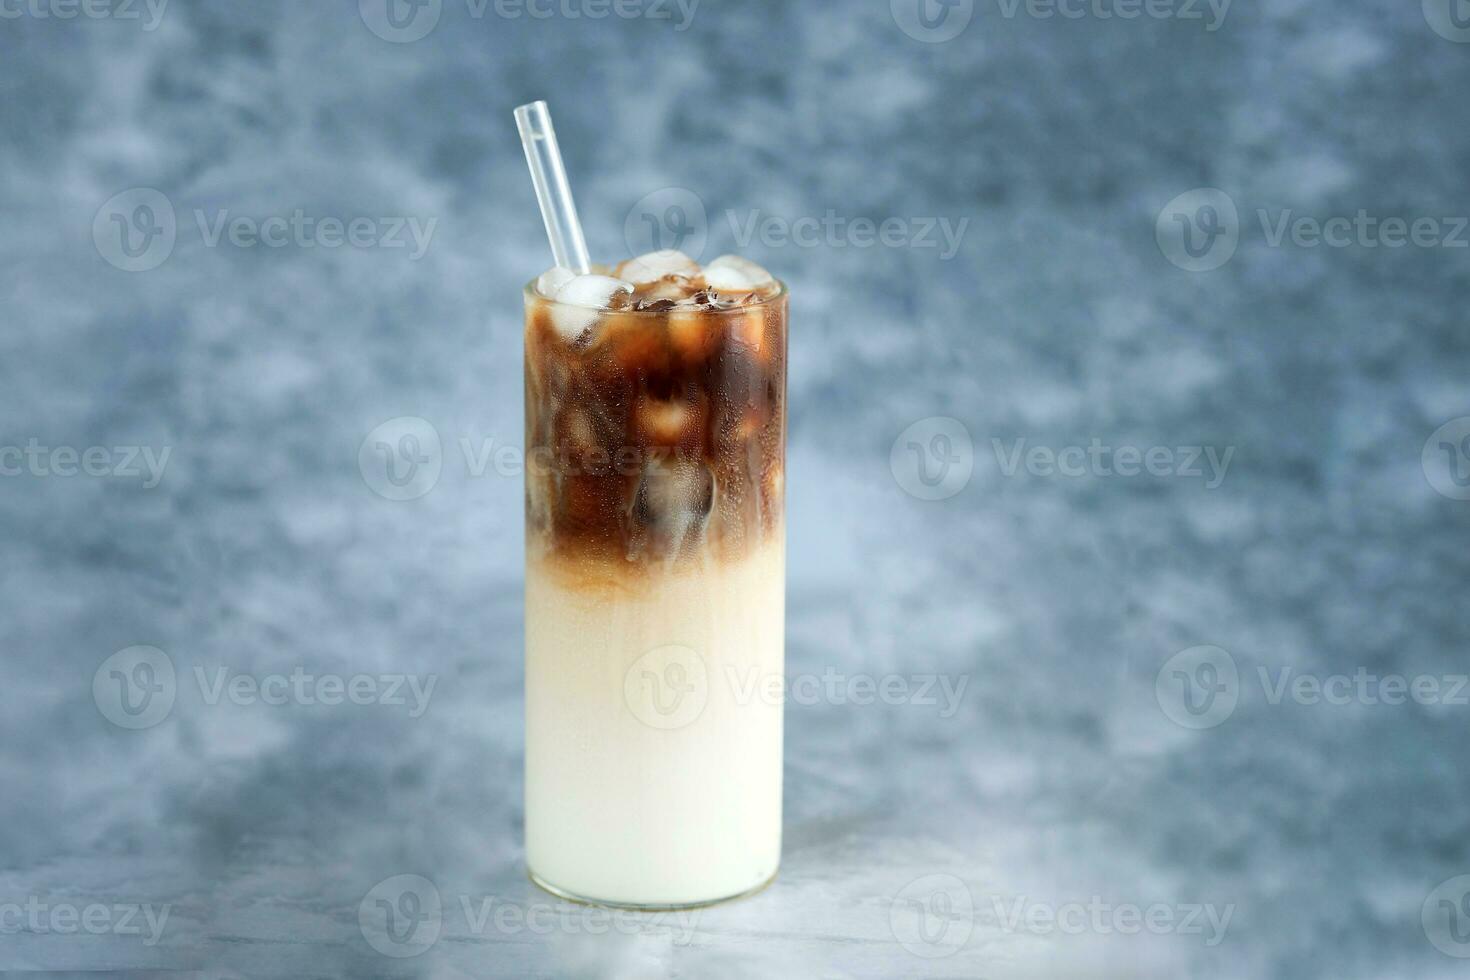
748, 425
669, 422
577, 433
692, 335
674, 488
628, 346
672, 287
732, 274
581, 298
700, 300
540, 497
653, 266
748, 330
593, 291
553, 279
673, 501
773, 485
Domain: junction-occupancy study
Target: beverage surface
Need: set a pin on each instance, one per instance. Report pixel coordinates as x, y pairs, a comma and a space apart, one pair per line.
655, 428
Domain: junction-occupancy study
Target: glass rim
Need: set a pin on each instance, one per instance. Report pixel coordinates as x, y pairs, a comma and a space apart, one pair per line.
529, 291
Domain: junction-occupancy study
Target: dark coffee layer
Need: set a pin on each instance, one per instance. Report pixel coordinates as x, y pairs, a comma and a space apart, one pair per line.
658, 436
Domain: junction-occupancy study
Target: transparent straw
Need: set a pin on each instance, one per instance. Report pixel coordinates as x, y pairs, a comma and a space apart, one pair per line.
554, 195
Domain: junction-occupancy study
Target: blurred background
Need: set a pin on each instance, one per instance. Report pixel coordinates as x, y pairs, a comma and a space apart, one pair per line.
1129, 449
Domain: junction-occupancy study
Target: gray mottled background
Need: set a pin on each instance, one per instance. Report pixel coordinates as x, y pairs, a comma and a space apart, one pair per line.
1335, 544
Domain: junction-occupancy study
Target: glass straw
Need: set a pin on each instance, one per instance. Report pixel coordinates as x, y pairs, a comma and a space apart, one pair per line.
553, 193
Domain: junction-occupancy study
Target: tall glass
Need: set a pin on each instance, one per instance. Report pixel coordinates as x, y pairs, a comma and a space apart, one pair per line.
655, 600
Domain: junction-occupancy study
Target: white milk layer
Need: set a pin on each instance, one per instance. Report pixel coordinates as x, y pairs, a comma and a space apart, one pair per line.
653, 732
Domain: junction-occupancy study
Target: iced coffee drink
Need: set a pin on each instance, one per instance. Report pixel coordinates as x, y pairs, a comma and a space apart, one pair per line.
655, 570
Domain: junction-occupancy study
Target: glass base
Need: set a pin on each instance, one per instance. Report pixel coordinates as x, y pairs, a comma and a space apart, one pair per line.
562, 893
